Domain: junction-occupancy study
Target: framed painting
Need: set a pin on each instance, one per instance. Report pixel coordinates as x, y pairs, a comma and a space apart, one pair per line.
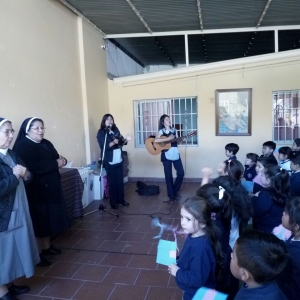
233, 112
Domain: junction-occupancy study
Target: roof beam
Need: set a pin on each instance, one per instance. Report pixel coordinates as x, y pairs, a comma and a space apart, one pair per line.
205, 31
79, 14
127, 52
139, 16
200, 15
160, 46
263, 13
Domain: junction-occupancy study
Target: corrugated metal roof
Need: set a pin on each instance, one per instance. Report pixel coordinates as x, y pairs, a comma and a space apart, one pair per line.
117, 17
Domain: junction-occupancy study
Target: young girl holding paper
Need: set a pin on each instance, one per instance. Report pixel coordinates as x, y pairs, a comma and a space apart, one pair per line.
198, 263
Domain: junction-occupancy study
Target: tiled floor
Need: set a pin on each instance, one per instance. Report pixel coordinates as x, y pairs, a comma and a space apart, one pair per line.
109, 258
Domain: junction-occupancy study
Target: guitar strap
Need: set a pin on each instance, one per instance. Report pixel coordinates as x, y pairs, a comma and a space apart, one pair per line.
172, 131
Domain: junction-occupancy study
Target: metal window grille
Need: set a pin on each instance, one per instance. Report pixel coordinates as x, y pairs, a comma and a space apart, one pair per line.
286, 119
182, 111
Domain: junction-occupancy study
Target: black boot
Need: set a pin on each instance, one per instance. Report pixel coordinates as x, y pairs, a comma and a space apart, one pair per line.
113, 204
18, 289
8, 296
44, 262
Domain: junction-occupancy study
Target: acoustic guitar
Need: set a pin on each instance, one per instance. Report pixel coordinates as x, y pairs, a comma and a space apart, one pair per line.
156, 148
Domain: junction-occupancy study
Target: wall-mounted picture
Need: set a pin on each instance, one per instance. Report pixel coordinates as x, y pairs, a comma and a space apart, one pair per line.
233, 112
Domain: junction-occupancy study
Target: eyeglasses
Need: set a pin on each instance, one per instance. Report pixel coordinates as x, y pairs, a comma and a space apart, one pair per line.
8, 132
38, 128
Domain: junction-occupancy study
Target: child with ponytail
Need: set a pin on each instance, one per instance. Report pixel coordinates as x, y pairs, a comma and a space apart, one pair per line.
219, 201
197, 264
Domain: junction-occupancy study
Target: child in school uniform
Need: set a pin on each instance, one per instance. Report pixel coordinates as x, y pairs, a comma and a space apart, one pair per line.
241, 205
290, 279
284, 157
257, 259
198, 260
268, 204
296, 147
219, 201
261, 164
267, 151
295, 177
250, 166
231, 150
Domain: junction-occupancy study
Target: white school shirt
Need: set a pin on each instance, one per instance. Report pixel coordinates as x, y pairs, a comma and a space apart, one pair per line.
285, 165
117, 156
172, 153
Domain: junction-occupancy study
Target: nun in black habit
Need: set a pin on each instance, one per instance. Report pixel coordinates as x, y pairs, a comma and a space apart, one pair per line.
45, 197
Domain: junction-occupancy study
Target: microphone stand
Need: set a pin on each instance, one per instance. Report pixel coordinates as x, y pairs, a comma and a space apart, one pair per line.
101, 206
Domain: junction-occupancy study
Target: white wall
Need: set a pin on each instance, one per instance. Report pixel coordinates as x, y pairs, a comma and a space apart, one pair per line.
41, 73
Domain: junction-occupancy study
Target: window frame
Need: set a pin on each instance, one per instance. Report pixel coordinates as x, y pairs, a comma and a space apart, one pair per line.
137, 115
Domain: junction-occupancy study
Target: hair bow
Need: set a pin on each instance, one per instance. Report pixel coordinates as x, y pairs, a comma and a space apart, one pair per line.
221, 192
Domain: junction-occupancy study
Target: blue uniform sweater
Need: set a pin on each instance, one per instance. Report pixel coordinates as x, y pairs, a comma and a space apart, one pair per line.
266, 213
269, 291
289, 281
295, 184
197, 265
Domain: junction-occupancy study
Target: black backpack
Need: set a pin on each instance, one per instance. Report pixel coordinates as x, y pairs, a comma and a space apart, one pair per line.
146, 190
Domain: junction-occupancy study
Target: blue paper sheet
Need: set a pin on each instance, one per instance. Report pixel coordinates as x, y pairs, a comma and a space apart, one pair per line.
209, 294
166, 252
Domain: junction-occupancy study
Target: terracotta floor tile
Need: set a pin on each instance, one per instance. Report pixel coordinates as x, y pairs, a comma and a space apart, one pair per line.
62, 288
36, 283
132, 227
106, 226
143, 262
129, 292
87, 234
63, 270
170, 294
94, 291
123, 219
109, 235
32, 297
86, 225
122, 275
112, 246
67, 242
97, 261
92, 273
137, 248
116, 259
153, 278
66, 255
172, 282
89, 257
88, 244
131, 236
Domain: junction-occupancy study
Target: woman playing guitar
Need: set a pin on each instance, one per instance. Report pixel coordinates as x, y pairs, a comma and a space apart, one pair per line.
169, 157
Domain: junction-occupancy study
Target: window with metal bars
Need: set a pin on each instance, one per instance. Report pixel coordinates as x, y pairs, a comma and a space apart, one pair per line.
286, 119
182, 111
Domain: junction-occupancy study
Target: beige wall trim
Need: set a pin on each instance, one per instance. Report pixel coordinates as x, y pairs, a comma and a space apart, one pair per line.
266, 59
84, 91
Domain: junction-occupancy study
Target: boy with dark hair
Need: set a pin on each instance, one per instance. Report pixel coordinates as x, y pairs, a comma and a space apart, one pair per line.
267, 151
295, 178
231, 150
284, 157
257, 259
250, 165
289, 281
296, 147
